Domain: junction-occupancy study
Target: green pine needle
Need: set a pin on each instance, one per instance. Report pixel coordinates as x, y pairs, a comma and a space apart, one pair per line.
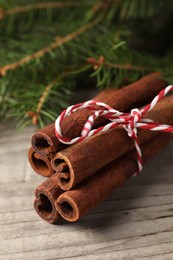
100, 56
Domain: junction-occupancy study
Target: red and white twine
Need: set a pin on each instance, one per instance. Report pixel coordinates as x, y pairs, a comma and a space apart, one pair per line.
131, 121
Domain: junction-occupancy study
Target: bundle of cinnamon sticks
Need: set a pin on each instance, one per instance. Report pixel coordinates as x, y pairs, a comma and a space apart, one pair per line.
83, 174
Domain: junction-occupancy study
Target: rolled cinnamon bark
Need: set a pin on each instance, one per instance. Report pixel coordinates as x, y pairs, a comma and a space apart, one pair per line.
40, 164
79, 161
136, 94
45, 197
77, 202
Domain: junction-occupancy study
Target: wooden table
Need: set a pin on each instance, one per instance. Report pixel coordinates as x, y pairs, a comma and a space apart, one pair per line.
136, 222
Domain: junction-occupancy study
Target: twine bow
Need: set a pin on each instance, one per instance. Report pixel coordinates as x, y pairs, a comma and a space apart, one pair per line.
130, 121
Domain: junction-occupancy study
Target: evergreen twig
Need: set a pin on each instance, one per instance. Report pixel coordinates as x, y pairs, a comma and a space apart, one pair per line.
43, 40
59, 41
31, 7
101, 62
35, 114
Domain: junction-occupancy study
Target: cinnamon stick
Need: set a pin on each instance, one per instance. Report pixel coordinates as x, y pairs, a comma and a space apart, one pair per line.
45, 197
79, 161
77, 202
136, 94
40, 164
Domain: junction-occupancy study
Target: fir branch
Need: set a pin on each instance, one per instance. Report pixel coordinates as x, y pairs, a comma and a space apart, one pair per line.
118, 64
128, 66
35, 114
39, 107
101, 62
37, 6
59, 41
33, 54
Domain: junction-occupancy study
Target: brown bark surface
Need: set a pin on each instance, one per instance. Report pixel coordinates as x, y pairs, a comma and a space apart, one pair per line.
46, 195
40, 164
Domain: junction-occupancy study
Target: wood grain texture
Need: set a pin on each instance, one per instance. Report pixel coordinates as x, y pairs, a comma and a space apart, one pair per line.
136, 222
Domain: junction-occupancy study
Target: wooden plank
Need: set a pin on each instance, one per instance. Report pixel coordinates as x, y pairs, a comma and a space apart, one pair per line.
13, 154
